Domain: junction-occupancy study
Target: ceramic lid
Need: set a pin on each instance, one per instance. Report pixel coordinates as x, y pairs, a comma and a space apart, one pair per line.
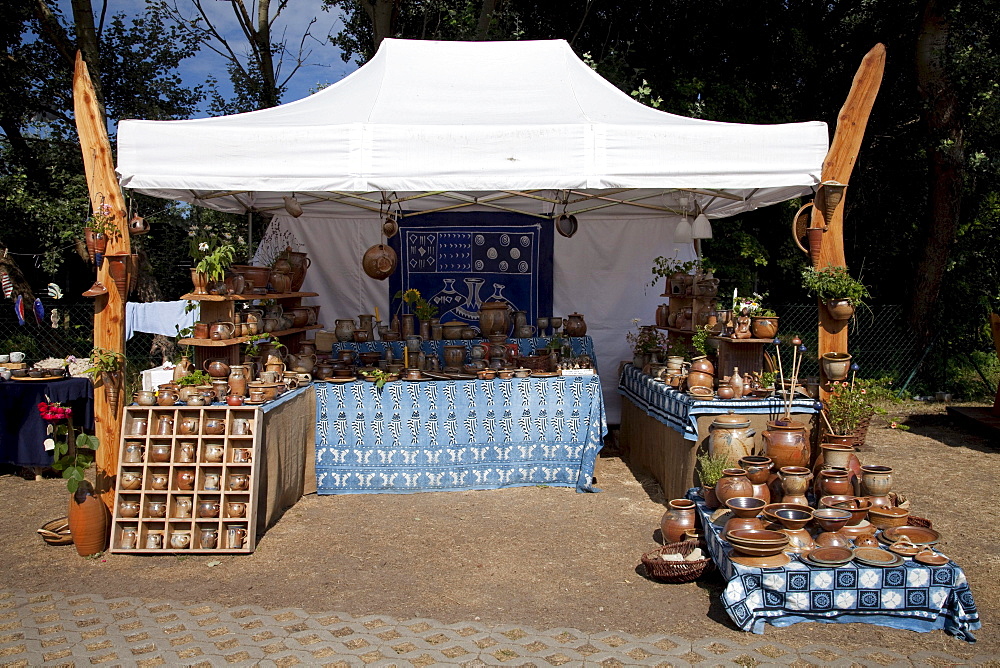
731, 419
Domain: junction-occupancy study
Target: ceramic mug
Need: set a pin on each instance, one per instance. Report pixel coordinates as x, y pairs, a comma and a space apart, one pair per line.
214, 452
235, 535
159, 480
133, 452
241, 426
140, 426
4, 373
183, 506
128, 508
180, 540
131, 480
156, 509
209, 538
208, 508
238, 482
17, 357
186, 451
212, 482
242, 455
268, 376
236, 509
154, 540
128, 539
4, 359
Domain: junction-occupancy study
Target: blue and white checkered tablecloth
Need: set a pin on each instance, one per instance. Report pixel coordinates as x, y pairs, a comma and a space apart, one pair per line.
912, 596
581, 345
680, 411
458, 434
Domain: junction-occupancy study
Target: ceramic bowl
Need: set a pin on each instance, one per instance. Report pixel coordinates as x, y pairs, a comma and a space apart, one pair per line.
757, 537
857, 506
745, 506
701, 391
750, 551
522, 373
771, 508
487, 374
887, 518
791, 518
831, 519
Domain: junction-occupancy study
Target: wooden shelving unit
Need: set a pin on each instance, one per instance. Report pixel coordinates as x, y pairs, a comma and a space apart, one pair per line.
216, 466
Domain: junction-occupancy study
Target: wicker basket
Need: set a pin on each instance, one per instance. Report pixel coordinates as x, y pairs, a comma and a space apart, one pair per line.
861, 432
534, 362
676, 571
56, 532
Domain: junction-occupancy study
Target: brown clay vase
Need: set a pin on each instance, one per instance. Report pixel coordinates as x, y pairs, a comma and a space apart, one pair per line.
876, 481
731, 436
88, 521
733, 483
702, 364
764, 327
200, 281
575, 325
795, 483
785, 443
834, 481
680, 517
494, 318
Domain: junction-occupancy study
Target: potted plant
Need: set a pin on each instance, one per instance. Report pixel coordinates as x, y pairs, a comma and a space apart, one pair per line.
212, 257
763, 321
710, 468
72, 455
97, 230
645, 342
849, 409
670, 267
699, 340
108, 365
840, 292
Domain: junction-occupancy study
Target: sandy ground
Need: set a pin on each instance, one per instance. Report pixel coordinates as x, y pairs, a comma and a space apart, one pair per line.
538, 556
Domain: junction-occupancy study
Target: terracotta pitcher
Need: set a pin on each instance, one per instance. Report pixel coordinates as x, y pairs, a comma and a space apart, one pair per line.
219, 331
238, 378
183, 368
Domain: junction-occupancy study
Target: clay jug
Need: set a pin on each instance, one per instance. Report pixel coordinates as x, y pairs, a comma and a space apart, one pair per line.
216, 368
730, 435
220, 331
575, 325
679, 518
238, 379
301, 363
662, 313
785, 443
88, 521
183, 368
736, 382
733, 483
494, 318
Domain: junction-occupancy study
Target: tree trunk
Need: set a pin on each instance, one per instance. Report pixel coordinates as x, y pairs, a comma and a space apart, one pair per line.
262, 36
86, 39
946, 159
381, 13
486, 11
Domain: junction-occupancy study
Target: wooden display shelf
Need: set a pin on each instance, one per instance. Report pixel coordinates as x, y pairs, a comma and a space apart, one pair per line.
211, 479
242, 339
729, 339
236, 298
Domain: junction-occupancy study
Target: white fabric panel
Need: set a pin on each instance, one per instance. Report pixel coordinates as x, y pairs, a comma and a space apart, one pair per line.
431, 116
603, 272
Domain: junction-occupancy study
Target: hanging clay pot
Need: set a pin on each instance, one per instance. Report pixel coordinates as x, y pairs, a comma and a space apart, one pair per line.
88, 521
836, 366
679, 518
815, 235
137, 226
118, 269
840, 309
379, 261
88, 236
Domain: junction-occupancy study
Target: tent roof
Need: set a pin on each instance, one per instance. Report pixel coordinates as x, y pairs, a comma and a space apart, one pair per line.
511, 125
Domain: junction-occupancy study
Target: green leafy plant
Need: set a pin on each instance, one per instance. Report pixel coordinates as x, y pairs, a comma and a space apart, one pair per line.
699, 340
754, 305
677, 348
834, 283
102, 221
645, 339
664, 267
252, 342
213, 263
710, 468
423, 309
72, 453
852, 402
767, 378
195, 378
104, 361
381, 377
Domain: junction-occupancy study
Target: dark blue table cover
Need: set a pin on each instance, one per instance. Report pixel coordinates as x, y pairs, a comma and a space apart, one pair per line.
581, 345
912, 596
22, 429
680, 410
458, 434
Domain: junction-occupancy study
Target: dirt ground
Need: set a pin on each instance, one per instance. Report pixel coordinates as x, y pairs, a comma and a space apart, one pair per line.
536, 556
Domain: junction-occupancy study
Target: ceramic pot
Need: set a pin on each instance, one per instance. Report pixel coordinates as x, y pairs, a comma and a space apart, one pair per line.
128, 508
795, 484
159, 452
764, 327
840, 309
759, 473
216, 368
842, 456
679, 518
131, 480
238, 378
88, 522
662, 313
836, 366
344, 330
733, 483
454, 357
184, 479
208, 508
575, 325
379, 261
725, 391
730, 435
700, 379
711, 500
214, 426
702, 364
834, 480
745, 510
494, 318
876, 481
145, 398
785, 443
200, 281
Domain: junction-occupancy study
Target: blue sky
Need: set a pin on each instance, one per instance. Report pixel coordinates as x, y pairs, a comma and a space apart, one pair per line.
324, 66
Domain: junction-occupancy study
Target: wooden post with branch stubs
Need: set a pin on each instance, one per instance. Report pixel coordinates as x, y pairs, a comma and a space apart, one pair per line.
838, 165
109, 308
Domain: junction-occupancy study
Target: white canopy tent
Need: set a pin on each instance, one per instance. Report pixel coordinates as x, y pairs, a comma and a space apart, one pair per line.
511, 126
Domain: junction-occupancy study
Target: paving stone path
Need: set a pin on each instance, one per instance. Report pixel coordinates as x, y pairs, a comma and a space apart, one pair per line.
55, 629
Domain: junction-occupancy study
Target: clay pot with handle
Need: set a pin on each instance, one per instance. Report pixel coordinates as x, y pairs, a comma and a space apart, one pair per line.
216, 368
219, 331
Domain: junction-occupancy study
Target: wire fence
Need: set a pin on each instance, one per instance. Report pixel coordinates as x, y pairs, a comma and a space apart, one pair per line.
880, 341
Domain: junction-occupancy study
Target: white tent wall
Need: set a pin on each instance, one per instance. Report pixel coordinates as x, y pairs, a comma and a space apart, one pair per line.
602, 272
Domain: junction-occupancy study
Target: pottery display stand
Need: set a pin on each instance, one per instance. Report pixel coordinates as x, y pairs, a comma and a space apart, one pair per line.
744, 354
215, 308
171, 523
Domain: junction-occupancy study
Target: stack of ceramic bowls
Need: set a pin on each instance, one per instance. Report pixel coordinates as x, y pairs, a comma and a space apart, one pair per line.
757, 542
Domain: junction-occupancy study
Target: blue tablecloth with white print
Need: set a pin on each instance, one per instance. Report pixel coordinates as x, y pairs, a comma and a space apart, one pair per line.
458, 434
680, 410
911, 596
581, 345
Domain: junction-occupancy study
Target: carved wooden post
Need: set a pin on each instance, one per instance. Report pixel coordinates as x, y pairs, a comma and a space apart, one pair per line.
109, 309
837, 166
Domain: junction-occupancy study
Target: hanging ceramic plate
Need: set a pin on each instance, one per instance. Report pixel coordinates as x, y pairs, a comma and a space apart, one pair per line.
566, 225
379, 261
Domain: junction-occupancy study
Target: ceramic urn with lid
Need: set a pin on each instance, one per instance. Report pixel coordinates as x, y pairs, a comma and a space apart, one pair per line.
731, 436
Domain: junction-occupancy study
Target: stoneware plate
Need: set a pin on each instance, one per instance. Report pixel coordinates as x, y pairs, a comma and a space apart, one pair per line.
46, 379
831, 555
804, 558
917, 535
874, 556
777, 561
933, 559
